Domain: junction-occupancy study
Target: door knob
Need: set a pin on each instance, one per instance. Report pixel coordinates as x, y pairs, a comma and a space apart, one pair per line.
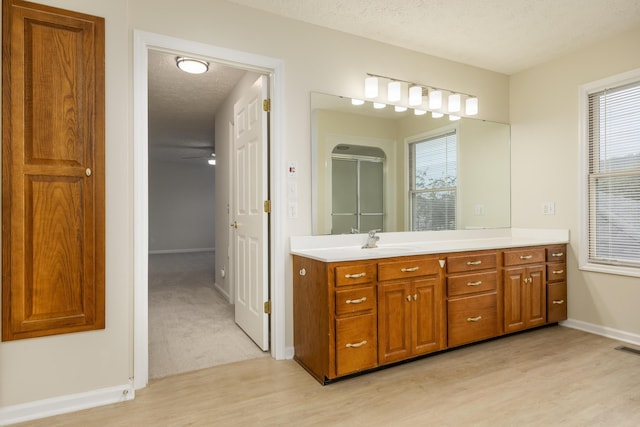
234, 224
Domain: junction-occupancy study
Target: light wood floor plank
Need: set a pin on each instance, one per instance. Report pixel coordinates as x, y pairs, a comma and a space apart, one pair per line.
553, 376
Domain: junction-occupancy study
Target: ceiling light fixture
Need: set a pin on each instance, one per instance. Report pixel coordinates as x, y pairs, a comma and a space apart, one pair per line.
379, 105
454, 102
193, 66
415, 95
471, 106
355, 101
418, 112
371, 87
212, 160
400, 109
435, 99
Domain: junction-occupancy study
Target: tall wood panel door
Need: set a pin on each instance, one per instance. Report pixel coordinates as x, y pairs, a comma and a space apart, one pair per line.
53, 224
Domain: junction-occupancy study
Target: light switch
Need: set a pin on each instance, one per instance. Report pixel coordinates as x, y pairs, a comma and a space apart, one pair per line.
548, 208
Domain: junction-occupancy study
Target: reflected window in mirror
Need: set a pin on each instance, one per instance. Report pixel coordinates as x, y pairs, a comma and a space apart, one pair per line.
433, 169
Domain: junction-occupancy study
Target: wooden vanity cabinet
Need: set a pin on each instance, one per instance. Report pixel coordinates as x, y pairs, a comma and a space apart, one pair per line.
410, 313
353, 316
335, 317
525, 296
556, 283
472, 297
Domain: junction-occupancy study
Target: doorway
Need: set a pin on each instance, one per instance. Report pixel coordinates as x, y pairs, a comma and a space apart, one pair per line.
143, 42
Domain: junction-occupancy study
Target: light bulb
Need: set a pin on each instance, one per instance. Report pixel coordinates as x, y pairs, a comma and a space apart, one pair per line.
418, 112
379, 105
454, 102
400, 109
415, 95
355, 101
436, 115
471, 106
435, 99
371, 87
393, 91
453, 118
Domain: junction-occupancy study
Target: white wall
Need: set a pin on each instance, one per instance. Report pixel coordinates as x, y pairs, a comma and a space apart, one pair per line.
545, 167
314, 60
181, 206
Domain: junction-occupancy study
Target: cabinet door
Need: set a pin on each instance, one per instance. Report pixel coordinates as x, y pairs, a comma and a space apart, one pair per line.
53, 171
394, 322
535, 295
514, 316
426, 316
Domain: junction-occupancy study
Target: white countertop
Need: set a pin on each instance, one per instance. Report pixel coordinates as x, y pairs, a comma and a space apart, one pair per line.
348, 247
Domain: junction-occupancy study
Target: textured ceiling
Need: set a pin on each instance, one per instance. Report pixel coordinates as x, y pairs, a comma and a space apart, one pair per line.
182, 106
506, 36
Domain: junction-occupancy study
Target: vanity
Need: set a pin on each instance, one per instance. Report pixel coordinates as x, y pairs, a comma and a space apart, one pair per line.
419, 293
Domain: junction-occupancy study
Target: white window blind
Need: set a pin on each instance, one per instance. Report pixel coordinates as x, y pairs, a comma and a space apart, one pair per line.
614, 176
432, 182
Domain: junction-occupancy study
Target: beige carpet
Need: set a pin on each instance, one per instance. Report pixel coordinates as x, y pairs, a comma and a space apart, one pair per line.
191, 325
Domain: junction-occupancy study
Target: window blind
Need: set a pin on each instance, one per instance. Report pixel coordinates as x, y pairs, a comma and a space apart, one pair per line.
433, 176
614, 176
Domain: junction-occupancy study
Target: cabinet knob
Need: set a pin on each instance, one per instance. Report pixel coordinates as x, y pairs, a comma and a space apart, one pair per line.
88, 171
409, 298
303, 272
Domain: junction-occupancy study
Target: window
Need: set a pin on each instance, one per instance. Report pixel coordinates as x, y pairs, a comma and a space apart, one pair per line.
612, 223
432, 182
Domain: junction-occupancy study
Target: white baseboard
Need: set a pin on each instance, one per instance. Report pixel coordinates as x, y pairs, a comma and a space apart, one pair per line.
65, 404
605, 331
223, 292
181, 251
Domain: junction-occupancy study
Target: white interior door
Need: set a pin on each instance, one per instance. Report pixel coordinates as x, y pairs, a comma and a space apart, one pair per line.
250, 222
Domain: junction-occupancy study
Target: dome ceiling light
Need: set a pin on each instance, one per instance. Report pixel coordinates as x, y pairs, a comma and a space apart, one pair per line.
193, 66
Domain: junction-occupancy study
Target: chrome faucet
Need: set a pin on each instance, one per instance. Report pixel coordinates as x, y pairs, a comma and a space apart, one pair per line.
372, 240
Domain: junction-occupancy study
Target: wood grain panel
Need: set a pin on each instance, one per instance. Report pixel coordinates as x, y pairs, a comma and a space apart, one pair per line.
52, 171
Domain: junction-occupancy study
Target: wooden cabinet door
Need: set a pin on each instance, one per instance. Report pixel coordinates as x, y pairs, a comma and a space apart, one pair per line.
514, 315
426, 316
536, 296
394, 321
52, 171
524, 297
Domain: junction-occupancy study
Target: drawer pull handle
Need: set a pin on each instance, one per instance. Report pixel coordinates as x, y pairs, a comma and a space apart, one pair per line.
355, 276
409, 270
303, 272
558, 271
558, 301
474, 319
474, 262
356, 301
526, 256
356, 345
478, 283
558, 254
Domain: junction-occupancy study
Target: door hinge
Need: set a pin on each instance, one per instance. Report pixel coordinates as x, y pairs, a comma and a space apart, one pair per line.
267, 307
267, 206
266, 105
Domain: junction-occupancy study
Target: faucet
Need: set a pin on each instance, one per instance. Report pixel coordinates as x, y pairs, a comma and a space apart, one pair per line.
372, 240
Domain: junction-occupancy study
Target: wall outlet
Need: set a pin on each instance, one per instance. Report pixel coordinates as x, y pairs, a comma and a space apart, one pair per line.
548, 208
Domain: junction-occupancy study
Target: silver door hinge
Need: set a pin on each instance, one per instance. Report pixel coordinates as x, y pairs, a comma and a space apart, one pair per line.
267, 307
266, 105
267, 206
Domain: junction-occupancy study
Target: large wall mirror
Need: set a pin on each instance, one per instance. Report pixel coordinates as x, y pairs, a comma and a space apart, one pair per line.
396, 171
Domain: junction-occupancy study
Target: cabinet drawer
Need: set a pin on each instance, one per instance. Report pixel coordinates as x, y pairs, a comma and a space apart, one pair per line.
409, 268
355, 274
472, 283
524, 256
556, 302
356, 344
557, 253
472, 319
463, 263
355, 299
556, 271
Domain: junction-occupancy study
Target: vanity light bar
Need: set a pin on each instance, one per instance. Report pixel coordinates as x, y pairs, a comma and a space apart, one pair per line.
416, 91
